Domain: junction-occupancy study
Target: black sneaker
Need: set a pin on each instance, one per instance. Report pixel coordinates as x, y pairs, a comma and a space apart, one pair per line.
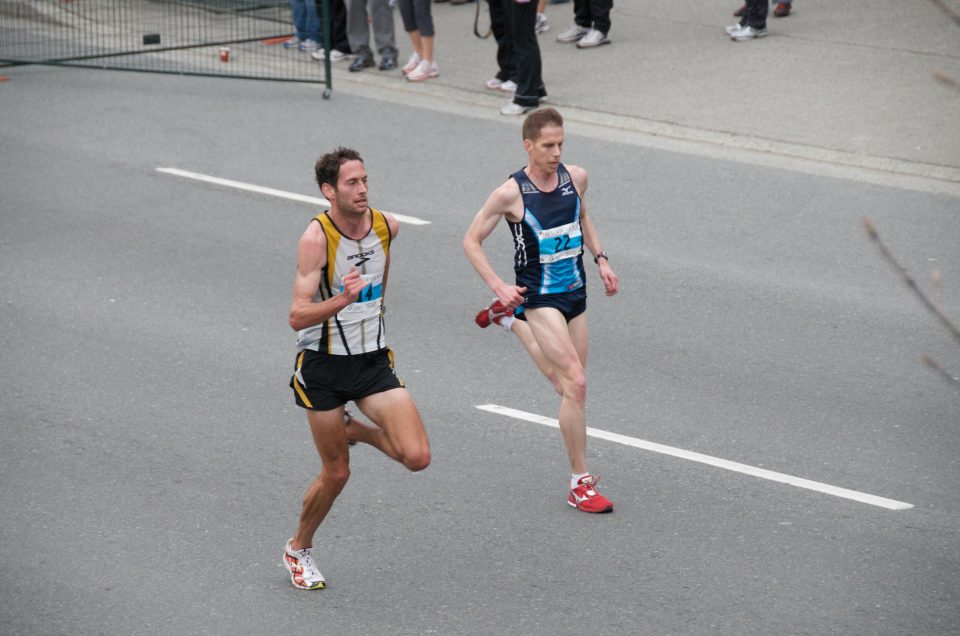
363, 59
388, 61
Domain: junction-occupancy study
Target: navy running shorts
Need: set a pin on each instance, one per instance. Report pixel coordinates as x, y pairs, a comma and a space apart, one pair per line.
570, 304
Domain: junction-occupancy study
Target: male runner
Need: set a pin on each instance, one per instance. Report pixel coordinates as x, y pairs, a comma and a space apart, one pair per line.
342, 355
544, 207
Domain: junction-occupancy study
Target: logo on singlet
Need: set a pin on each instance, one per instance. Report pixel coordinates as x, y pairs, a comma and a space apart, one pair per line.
363, 256
566, 190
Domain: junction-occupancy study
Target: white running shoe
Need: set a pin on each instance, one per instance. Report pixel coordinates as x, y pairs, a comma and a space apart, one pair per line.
425, 70
292, 43
747, 33
309, 45
514, 108
733, 27
572, 34
303, 569
335, 55
411, 63
594, 37
508, 87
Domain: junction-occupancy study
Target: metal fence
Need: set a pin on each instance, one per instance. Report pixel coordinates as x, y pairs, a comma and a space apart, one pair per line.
226, 38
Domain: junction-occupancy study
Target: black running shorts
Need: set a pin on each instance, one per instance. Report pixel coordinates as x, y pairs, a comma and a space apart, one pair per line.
322, 382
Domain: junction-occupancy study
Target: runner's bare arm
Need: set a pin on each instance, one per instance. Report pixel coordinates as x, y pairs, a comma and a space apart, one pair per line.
611, 283
311, 259
502, 202
394, 226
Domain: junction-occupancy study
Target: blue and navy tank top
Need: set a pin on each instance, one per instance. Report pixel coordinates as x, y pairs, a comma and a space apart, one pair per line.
549, 240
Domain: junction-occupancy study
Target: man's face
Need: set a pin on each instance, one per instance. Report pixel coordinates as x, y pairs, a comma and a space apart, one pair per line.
351, 190
545, 151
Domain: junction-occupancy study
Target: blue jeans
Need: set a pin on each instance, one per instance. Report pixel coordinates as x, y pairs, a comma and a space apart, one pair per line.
306, 20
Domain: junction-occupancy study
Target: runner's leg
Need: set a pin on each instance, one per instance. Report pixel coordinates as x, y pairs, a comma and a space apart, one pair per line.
522, 330
331, 441
396, 414
551, 332
358, 431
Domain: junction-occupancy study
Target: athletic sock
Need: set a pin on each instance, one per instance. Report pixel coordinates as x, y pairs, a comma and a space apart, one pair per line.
575, 480
506, 322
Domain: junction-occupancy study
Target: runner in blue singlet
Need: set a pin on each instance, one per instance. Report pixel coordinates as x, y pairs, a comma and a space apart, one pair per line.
544, 207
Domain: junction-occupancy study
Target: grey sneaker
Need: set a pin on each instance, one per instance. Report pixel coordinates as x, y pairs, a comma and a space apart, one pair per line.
542, 24
308, 45
292, 43
572, 34
593, 38
747, 33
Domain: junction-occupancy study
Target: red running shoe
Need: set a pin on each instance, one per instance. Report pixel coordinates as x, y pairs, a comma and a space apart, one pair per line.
494, 313
782, 9
586, 498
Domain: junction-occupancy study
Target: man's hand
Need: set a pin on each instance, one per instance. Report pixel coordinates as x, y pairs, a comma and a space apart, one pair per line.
511, 296
353, 284
611, 284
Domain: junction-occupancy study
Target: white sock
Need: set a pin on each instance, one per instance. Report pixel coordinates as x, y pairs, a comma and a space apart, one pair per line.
506, 321
575, 480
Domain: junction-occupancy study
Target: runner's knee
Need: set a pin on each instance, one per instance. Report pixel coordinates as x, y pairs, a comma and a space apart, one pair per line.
335, 476
576, 388
416, 460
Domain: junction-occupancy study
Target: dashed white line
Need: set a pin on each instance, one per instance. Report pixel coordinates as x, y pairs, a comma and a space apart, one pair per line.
293, 196
873, 500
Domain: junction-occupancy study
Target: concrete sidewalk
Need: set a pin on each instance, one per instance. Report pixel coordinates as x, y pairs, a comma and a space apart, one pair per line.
844, 88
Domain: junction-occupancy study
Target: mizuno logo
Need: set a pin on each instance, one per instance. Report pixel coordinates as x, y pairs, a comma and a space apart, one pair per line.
566, 190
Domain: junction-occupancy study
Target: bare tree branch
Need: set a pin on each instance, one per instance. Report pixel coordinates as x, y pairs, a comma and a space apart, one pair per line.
951, 380
945, 79
911, 284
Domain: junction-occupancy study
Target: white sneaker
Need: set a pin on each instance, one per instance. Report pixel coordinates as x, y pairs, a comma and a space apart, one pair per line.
514, 108
292, 43
303, 569
335, 55
747, 33
733, 27
496, 85
572, 34
425, 70
542, 24
411, 63
593, 38
309, 45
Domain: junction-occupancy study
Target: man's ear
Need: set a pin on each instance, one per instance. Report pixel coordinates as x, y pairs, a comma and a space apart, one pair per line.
328, 191
527, 145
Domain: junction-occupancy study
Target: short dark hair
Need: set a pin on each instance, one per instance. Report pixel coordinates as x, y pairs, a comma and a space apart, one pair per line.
327, 168
538, 120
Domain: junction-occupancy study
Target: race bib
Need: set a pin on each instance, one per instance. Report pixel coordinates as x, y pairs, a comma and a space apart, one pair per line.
560, 243
368, 303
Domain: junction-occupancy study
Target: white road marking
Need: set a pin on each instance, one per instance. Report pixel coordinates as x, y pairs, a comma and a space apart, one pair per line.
293, 196
799, 482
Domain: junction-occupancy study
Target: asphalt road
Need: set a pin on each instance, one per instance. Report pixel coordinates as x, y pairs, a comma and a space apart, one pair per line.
153, 460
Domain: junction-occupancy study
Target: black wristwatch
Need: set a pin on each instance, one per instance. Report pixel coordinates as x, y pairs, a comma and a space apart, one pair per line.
603, 255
